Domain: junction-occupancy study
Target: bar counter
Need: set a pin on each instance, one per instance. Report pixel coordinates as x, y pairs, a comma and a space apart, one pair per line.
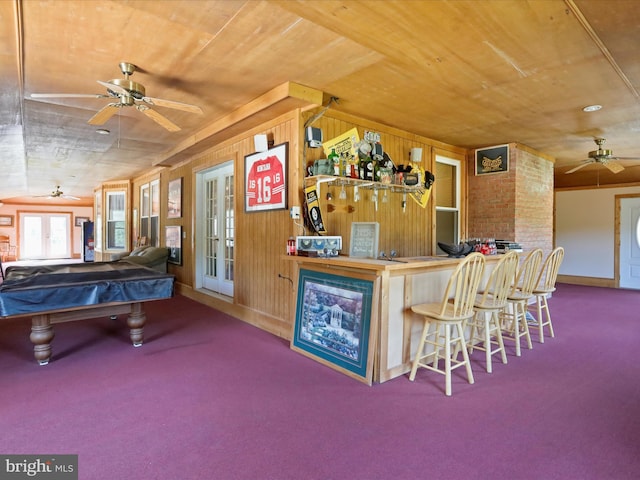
398, 284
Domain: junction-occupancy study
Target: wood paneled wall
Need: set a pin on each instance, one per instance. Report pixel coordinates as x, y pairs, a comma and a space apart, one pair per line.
263, 276
409, 231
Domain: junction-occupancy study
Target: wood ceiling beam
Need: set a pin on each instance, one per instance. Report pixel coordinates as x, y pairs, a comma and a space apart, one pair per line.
277, 101
603, 48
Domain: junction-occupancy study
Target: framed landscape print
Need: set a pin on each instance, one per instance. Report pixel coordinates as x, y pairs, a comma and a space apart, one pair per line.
6, 220
173, 238
265, 182
174, 207
492, 160
333, 322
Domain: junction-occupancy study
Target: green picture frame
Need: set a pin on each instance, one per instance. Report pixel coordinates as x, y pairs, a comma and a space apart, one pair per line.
333, 323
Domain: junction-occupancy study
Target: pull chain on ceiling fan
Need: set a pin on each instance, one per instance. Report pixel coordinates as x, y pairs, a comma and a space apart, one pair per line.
128, 93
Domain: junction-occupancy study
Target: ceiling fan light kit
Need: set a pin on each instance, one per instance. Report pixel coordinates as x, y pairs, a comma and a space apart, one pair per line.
129, 94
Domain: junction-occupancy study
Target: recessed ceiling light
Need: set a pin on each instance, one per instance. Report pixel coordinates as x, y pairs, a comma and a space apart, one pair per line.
103, 131
592, 108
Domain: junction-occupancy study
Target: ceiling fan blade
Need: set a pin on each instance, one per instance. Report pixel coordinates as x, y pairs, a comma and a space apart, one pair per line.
70, 197
68, 95
104, 114
582, 165
159, 102
115, 88
158, 118
614, 167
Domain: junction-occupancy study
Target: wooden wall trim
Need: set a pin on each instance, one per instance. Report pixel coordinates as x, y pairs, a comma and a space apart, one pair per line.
534, 152
587, 281
598, 187
283, 98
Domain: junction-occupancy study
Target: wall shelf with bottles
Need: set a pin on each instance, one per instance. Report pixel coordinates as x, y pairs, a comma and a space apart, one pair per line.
332, 180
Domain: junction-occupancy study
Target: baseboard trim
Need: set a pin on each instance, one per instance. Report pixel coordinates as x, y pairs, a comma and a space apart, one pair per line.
587, 281
224, 304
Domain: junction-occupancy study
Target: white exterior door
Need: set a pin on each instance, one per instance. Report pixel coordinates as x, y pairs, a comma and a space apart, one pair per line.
215, 229
45, 236
630, 243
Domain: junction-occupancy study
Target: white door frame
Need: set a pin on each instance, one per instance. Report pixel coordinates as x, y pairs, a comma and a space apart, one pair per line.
46, 240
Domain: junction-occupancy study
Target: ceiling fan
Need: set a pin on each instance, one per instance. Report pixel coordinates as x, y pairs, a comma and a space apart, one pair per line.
127, 93
604, 157
57, 193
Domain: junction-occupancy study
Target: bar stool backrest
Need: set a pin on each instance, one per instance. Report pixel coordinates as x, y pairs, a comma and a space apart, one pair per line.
499, 282
463, 287
546, 281
527, 275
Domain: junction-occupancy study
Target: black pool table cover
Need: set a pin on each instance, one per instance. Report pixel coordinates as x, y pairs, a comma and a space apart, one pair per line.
46, 288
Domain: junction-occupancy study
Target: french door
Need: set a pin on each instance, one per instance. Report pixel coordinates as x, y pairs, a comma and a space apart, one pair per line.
215, 229
629, 252
45, 236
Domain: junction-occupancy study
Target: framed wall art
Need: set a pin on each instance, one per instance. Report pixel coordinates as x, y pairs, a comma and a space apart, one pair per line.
6, 220
333, 322
364, 239
492, 160
173, 238
265, 182
174, 199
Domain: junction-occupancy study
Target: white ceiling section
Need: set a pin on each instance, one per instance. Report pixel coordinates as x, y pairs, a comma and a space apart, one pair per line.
465, 72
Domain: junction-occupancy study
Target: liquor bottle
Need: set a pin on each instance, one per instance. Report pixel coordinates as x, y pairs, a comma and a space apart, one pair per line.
355, 167
334, 160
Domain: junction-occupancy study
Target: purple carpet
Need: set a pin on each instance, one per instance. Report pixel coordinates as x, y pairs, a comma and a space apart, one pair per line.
210, 397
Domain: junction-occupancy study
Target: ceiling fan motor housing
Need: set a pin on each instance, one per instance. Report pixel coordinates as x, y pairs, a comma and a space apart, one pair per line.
136, 90
601, 153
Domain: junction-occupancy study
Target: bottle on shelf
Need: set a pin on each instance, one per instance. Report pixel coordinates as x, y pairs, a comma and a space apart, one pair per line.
291, 246
334, 160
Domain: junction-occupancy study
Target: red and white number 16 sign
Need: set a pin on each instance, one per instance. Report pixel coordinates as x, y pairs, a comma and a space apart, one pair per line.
266, 179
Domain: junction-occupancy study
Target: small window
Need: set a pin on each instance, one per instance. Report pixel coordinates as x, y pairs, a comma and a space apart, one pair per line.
447, 198
116, 233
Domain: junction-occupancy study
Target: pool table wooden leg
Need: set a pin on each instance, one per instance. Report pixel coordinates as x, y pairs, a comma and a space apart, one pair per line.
41, 336
136, 321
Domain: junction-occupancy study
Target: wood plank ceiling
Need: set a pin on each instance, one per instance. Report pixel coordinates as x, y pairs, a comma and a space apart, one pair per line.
467, 73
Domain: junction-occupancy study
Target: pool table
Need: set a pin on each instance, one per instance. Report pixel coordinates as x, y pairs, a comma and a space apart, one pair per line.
51, 294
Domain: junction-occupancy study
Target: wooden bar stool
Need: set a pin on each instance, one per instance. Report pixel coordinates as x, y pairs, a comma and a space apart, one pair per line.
447, 318
485, 324
546, 285
513, 318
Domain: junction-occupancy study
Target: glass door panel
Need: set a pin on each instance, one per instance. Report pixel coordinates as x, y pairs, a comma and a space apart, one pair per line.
45, 236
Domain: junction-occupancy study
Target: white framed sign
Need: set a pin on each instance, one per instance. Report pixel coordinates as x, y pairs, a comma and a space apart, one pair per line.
364, 239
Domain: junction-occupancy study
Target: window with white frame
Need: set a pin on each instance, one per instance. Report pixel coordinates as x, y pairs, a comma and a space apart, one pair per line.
447, 196
150, 213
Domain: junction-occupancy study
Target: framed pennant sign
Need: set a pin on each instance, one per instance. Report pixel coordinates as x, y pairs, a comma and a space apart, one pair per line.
492, 160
